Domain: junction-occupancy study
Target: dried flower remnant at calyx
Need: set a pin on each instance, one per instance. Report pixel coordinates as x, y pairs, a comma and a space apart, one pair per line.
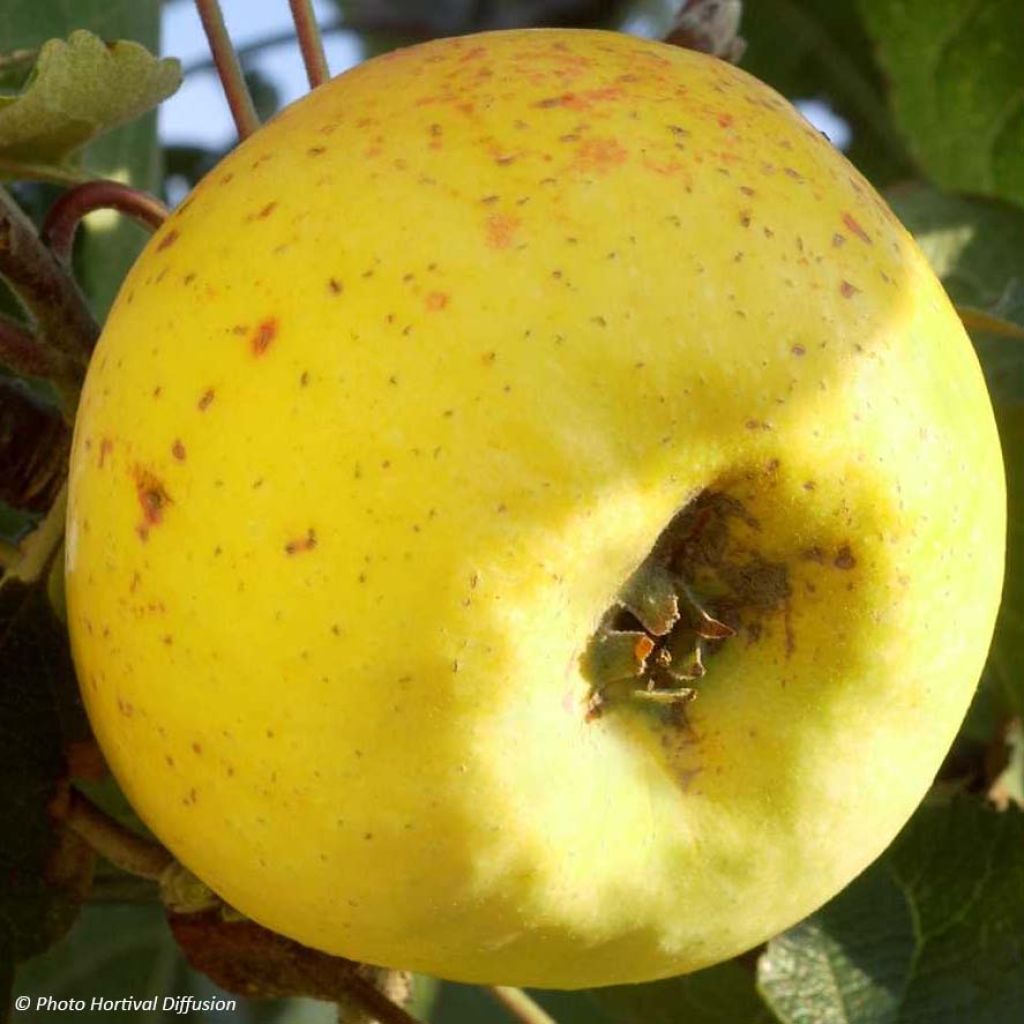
686, 599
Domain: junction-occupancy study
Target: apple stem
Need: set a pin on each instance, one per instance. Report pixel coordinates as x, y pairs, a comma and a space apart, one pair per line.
66, 214
121, 846
228, 67
520, 1005
310, 42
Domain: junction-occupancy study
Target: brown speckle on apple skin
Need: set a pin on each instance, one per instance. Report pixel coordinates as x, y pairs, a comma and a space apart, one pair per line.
844, 558
153, 499
263, 335
302, 544
851, 223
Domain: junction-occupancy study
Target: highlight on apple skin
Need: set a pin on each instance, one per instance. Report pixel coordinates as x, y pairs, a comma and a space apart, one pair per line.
535, 518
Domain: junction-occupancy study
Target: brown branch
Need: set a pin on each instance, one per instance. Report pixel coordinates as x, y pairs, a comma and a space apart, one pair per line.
520, 1005
376, 1004
310, 42
66, 214
241, 956
34, 445
121, 846
228, 68
45, 289
24, 354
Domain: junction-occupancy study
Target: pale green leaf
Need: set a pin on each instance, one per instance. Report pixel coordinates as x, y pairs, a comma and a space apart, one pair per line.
932, 933
78, 90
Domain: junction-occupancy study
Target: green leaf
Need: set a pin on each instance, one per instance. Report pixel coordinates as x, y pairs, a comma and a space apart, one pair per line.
42, 869
957, 89
724, 994
977, 248
847, 963
933, 933
115, 952
818, 49
78, 90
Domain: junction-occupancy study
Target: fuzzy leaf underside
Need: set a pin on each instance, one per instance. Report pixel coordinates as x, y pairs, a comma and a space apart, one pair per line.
932, 933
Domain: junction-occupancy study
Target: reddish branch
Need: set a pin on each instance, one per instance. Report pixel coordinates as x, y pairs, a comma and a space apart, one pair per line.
62, 318
67, 212
24, 354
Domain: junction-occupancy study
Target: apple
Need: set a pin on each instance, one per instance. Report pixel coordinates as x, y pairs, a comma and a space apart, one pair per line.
535, 518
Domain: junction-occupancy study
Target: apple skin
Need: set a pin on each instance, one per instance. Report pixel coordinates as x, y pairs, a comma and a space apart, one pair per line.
386, 414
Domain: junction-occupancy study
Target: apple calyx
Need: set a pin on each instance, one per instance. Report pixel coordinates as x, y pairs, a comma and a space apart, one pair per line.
679, 607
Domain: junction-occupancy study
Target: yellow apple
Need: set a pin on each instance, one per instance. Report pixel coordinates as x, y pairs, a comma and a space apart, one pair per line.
447, 410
